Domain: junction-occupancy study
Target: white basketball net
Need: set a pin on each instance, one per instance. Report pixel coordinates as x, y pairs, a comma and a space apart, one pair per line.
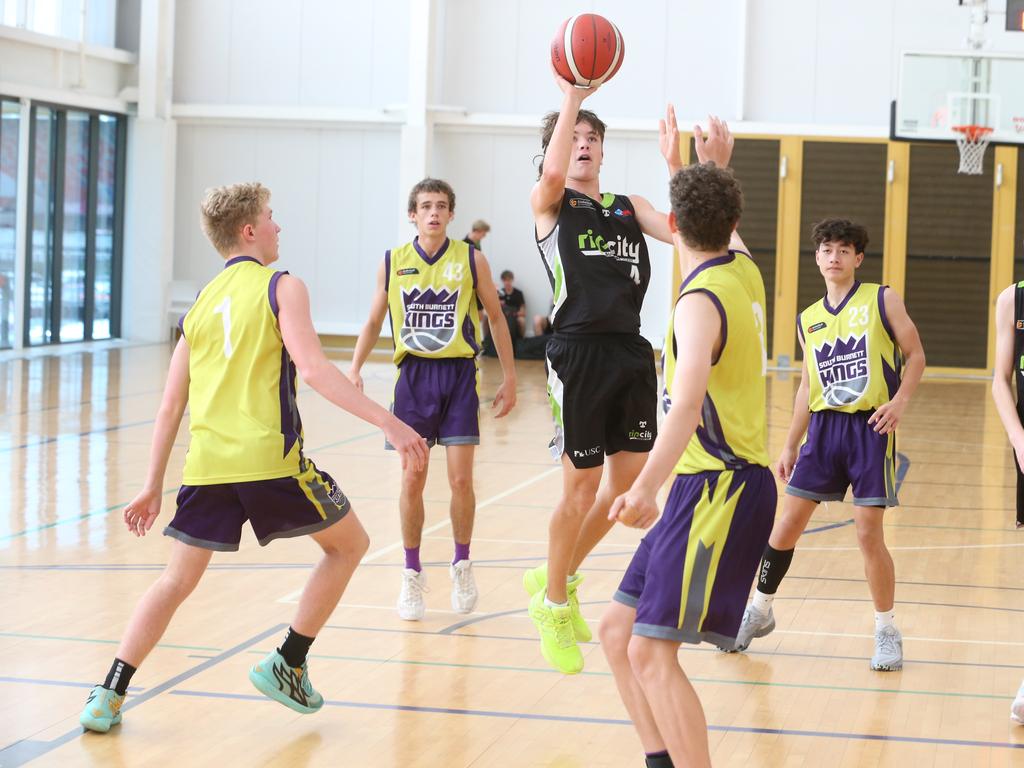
972, 141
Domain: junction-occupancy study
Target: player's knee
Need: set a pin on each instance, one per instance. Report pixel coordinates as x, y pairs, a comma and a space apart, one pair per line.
870, 538
413, 481
461, 483
581, 497
614, 634
642, 658
178, 585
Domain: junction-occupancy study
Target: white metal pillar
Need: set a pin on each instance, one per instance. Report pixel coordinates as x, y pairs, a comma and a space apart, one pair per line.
418, 131
149, 194
21, 225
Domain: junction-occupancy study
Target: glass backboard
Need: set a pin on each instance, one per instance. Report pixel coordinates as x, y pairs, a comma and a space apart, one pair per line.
939, 90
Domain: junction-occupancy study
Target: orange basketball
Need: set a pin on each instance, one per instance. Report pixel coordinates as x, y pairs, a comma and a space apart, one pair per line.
587, 50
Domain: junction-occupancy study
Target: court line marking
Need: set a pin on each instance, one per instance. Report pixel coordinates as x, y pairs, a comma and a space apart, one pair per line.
61, 683
616, 721
291, 597
28, 636
708, 680
682, 648
25, 750
1005, 545
70, 435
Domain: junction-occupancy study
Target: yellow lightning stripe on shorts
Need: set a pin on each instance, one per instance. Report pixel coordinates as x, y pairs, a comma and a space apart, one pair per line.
712, 518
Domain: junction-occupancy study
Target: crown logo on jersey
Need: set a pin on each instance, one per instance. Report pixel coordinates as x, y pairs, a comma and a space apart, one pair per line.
843, 370
429, 323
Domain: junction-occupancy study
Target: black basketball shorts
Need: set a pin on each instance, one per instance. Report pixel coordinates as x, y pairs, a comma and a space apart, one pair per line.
604, 396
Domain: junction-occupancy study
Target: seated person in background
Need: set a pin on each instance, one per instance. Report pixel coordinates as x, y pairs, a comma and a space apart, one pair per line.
513, 305
542, 324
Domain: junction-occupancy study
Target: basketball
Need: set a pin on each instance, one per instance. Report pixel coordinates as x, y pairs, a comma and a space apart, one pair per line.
587, 50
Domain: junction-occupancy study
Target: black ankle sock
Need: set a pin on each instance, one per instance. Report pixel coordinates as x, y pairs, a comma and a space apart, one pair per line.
294, 648
659, 760
774, 564
119, 676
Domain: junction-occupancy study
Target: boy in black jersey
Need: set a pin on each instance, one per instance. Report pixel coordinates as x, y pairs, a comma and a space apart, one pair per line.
601, 376
1009, 378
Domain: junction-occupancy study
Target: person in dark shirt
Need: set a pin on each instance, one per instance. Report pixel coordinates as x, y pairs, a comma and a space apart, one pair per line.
513, 305
477, 233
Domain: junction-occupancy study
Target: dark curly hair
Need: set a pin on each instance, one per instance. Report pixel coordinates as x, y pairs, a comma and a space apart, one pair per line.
547, 130
843, 231
707, 202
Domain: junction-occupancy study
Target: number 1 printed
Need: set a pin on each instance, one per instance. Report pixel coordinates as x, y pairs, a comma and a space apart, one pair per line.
224, 310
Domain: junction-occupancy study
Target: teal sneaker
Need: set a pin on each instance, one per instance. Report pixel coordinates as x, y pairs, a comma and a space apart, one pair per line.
536, 580
102, 710
288, 685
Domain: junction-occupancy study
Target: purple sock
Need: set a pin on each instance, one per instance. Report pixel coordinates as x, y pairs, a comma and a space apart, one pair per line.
461, 552
412, 559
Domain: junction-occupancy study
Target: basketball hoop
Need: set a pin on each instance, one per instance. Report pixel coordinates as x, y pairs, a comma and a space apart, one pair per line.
972, 141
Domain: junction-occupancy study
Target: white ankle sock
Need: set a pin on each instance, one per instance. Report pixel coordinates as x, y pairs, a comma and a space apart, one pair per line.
885, 619
550, 604
762, 602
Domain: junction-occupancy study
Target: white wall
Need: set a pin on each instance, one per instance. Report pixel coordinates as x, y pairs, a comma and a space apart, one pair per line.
822, 64
333, 196
351, 53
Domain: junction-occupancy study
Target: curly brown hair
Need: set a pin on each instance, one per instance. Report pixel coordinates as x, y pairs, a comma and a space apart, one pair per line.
547, 130
707, 202
225, 210
432, 185
842, 231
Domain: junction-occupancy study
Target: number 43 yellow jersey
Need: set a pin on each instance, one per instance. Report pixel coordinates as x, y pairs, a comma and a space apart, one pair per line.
244, 421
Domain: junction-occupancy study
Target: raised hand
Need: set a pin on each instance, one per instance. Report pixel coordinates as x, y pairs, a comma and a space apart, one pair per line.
716, 145
668, 139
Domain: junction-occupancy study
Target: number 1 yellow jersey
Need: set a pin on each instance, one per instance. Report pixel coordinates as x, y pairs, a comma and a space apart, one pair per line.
243, 418
853, 361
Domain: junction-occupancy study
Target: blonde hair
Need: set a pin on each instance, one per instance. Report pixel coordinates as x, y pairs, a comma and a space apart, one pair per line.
225, 210
480, 226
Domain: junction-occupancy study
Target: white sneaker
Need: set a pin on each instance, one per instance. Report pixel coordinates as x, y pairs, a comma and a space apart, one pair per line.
1017, 710
888, 650
410, 599
464, 592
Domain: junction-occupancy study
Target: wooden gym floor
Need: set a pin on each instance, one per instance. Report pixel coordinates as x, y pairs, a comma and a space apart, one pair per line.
457, 690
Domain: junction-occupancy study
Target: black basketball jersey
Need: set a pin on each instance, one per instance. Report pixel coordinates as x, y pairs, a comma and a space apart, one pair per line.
597, 261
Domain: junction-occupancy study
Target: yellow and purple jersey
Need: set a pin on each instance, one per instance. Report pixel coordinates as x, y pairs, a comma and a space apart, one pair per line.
853, 361
733, 428
243, 421
432, 301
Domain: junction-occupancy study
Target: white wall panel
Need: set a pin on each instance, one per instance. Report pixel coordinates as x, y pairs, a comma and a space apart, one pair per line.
303, 53
333, 196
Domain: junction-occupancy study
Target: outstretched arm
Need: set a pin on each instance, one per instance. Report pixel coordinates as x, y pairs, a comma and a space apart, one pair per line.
505, 398
303, 345
887, 417
141, 511
714, 147
547, 193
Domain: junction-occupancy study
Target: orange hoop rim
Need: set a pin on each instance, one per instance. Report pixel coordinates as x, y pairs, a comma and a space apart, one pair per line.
973, 132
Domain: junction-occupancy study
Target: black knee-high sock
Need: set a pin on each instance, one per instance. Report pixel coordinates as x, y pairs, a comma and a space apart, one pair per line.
119, 676
659, 760
294, 648
774, 564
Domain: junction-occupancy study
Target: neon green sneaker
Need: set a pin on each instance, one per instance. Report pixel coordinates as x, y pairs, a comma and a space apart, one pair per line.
557, 642
536, 580
102, 710
288, 685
